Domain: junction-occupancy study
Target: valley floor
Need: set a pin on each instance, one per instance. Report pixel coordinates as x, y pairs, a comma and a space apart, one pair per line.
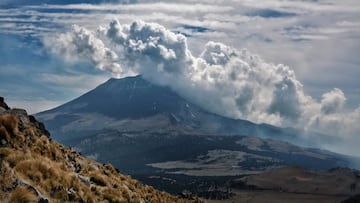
255, 196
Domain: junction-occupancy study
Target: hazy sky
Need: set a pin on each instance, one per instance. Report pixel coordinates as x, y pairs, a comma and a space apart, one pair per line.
45, 60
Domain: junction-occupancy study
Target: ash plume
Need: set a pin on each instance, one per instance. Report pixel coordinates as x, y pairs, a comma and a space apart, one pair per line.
223, 80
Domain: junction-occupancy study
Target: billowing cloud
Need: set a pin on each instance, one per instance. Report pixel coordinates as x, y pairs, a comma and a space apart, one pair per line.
332, 102
146, 46
224, 80
81, 44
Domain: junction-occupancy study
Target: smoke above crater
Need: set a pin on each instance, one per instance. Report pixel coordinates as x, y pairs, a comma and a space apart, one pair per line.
223, 80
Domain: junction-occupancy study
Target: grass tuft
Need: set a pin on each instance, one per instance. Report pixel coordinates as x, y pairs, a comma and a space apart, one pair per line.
22, 195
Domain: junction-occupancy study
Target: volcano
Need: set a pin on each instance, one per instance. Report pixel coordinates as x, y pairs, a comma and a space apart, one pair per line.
135, 105
152, 128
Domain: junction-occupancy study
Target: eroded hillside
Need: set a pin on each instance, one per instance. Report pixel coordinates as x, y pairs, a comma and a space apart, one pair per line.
33, 168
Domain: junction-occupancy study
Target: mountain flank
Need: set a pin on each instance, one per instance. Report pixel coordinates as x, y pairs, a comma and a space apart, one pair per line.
36, 169
153, 129
135, 105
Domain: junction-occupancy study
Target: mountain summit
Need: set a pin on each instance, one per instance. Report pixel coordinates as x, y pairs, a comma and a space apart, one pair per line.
127, 98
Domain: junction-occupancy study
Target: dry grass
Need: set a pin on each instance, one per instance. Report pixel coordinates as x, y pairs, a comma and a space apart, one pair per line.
4, 152
54, 171
9, 130
22, 195
8, 178
15, 157
98, 179
8, 127
9, 122
4, 135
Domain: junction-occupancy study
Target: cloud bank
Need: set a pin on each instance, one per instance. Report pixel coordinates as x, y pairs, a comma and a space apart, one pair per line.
224, 80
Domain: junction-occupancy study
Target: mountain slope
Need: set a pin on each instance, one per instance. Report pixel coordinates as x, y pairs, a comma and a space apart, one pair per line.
201, 155
135, 105
36, 169
151, 128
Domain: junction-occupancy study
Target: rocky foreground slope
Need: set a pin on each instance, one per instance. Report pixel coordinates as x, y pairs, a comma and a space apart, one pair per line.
33, 168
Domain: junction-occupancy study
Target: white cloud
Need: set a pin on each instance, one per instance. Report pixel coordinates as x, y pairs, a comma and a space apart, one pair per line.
332, 102
83, 44
222, 79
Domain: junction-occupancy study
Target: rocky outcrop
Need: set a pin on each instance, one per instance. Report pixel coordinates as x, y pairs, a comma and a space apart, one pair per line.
3, 105
39, 125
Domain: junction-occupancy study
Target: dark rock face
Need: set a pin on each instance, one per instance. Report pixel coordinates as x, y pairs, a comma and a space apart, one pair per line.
24, 116
39, 125
3, 104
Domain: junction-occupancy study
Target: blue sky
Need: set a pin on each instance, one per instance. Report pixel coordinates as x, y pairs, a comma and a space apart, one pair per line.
46, 61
